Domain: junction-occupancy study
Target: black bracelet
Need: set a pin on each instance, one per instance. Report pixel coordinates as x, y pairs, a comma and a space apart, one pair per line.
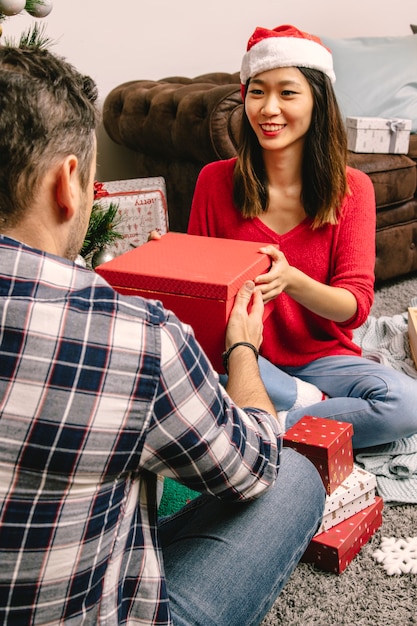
225, 355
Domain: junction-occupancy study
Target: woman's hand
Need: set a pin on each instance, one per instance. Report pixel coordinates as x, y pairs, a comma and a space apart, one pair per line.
278, 278
154, 234
333, 303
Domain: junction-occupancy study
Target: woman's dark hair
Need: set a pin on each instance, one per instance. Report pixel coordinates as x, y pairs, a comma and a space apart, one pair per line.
324, 183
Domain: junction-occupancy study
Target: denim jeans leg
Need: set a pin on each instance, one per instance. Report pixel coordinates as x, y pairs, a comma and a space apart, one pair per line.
379, 401
281, 387
226, 563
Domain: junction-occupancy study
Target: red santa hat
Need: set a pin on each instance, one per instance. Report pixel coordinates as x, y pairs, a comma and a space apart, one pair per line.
284, 46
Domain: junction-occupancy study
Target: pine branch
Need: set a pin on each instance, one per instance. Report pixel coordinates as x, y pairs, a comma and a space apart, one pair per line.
33, 37
102, 229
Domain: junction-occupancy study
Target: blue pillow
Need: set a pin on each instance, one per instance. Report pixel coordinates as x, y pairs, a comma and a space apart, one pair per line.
376, 76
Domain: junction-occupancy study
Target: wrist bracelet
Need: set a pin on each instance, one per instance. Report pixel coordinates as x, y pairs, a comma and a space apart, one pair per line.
225, 355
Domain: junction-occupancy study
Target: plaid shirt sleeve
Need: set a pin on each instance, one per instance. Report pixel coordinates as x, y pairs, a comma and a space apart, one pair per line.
198, 435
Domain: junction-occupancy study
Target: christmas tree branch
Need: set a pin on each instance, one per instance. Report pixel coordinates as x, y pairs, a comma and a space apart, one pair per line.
33, 37
102, 229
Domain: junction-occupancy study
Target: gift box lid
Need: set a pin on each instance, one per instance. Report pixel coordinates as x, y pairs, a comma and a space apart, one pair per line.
357, 483
342, 536
189, 265
378, 123
129, 186
317, 436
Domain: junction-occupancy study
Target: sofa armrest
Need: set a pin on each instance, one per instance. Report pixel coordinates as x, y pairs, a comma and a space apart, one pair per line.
192, 119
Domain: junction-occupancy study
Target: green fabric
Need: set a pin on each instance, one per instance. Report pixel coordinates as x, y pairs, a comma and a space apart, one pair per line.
174, 497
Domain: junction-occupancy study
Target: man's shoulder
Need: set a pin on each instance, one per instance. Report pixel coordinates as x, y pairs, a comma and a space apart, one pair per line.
34, 274
104, 296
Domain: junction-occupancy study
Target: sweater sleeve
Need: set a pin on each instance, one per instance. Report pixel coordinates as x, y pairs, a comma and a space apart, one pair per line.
354, 247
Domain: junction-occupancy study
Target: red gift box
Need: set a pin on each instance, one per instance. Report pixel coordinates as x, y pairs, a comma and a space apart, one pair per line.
327, 443
334, 549
195, 277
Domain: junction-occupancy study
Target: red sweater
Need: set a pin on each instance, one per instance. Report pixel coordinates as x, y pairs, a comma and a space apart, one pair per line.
342, 256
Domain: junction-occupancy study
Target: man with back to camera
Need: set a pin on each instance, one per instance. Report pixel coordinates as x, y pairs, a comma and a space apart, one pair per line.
100, 393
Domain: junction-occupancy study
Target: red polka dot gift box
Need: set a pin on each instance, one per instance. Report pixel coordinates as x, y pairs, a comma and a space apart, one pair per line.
334, 549
327, 443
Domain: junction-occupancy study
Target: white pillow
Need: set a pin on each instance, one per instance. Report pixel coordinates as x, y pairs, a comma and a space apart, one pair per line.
376, 76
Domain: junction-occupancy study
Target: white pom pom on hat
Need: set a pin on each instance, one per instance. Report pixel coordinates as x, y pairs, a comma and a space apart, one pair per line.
284, 46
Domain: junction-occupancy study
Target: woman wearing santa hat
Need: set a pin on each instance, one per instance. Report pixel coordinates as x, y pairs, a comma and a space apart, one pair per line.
290, 189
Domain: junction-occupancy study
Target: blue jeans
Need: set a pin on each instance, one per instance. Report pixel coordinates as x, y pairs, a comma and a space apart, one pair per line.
380, 402
225, 563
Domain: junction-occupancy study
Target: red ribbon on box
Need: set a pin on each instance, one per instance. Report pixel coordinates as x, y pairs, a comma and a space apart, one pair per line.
99, 190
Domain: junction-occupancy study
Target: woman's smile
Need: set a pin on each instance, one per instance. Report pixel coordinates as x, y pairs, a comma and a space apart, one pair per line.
270, 129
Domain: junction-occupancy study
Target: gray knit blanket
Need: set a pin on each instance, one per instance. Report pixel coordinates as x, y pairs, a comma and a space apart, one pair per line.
385, 339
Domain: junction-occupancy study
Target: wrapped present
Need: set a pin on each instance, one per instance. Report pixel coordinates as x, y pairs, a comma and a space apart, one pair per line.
377, 134
196, 277
327, 443
355, 493
334, 549
141, 207
412, 332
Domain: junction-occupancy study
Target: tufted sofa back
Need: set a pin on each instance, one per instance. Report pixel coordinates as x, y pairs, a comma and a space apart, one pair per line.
177, 117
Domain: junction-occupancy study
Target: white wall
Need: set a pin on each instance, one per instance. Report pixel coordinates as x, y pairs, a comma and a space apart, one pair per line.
119, 41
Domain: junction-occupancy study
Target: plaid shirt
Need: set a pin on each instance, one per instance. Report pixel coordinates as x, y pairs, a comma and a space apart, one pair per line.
99, 393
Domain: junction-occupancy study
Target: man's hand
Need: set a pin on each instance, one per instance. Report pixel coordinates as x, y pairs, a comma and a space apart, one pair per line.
245, 321
244, 383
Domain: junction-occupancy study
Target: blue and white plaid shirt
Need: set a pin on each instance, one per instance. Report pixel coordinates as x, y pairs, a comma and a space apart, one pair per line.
98, 394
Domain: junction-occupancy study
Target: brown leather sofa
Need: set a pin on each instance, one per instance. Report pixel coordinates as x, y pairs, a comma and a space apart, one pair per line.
176, 125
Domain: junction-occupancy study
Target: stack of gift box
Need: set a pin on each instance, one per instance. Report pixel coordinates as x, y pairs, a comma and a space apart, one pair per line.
353, 511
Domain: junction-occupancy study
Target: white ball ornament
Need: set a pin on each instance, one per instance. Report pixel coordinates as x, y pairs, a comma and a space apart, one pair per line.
40, 9
12, 7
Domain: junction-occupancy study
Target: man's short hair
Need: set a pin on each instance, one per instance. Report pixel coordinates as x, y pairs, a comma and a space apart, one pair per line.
47, 112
